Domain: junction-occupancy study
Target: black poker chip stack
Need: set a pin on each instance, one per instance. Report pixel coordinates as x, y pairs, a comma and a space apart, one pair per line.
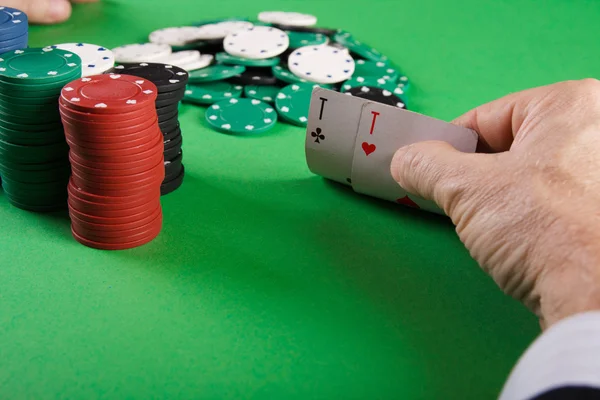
170, 81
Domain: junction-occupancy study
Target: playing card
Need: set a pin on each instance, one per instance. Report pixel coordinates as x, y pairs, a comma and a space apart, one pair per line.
383, 130
330, 134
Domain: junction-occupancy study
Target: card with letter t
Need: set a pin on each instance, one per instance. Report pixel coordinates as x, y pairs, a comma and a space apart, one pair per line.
384, 129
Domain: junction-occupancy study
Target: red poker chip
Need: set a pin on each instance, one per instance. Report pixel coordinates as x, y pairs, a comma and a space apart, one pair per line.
115, 246
110, 210
88, 168
130, 200
149, 188
114, 144
109, 94
115, 165
123, 180
139, 145
65, 109
91, 138
90, 235
116, 230
108, 156
155, 144
137, 122
145, 182
126, 219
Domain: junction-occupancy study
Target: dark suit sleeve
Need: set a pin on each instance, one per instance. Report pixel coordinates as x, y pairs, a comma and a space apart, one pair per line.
563, 363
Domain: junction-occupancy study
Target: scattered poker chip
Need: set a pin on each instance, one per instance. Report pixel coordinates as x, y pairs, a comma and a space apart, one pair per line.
220, 30
382, 83
264, 93
378, 69
204, 61
212, 92
256, 76
146, 52
257, 42
166, 77
321, 64
241, 116
175, 36
301, 39
378, 95
287, 18
355, 46
109, 93
34, 66
180, 58
229, 59
94, 59
216, 73
293, 102
285, 75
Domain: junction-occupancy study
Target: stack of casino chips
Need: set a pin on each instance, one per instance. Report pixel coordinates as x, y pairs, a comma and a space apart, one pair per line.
170, 81
14, 28
34, 161
116, 156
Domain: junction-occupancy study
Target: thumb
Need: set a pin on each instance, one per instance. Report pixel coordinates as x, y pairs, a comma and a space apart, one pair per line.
42, 11
437, 171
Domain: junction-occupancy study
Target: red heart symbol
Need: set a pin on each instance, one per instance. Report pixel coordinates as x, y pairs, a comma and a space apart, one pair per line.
406, 201
368, 148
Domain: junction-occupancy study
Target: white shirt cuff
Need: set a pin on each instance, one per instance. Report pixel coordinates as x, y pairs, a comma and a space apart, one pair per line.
567, 354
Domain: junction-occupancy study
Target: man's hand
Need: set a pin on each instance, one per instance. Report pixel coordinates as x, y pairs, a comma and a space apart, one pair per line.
529, 213
45, 11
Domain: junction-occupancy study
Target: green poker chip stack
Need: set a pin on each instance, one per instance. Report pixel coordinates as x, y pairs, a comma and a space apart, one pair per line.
34, 163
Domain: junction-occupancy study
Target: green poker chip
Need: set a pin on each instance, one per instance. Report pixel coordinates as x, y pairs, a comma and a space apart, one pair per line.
382, 83
241, 116
301, 39
212, 92
229, 59
285, 75
217, 72
293, 102
377, 69
351, 43
262, 92
34, 66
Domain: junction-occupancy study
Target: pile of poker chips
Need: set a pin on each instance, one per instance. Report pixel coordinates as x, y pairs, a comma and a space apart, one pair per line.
170, 81
265, 70
116, 154
14, 27
94, 59
34, 161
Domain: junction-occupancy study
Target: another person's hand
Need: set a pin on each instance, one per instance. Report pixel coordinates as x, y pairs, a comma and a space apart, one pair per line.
45, 11
530, 212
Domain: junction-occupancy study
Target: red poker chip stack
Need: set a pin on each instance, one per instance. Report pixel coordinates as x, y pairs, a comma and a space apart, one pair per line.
117, 163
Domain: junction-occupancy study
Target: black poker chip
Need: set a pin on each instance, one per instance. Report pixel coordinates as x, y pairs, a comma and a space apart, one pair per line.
167, 109
172, 185
169, 125
255, 76
168, 116
378, 95
169, 98
173, 147
172, 170
312, 29
172, 134
167, 78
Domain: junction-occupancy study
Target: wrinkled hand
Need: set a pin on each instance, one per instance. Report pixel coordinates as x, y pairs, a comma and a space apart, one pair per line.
529, 212
44, 11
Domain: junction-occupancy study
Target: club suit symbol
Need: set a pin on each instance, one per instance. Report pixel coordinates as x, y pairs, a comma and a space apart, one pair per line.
318, 135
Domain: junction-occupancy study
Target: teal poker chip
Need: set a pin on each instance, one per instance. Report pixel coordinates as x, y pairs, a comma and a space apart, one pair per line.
351, 43
377, 69
262, 92
357, 81
217, 72
285, 75
226, 58
293, 102
301, 39
34, 66
241, 116
212, 92
403, 83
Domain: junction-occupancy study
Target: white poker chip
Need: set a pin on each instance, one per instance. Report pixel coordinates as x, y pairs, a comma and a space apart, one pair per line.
287, 18
221, 29
180, 58
321, 64
146, 52
175, 36
204, 61
95, 60
257, 42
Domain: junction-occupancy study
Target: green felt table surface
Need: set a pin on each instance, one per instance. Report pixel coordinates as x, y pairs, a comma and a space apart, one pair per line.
268, 282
